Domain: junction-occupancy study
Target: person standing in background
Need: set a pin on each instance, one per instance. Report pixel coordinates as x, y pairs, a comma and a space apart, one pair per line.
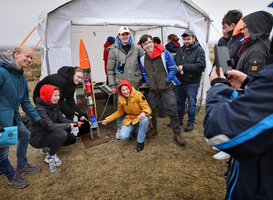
110, 40
173, 45
122, 64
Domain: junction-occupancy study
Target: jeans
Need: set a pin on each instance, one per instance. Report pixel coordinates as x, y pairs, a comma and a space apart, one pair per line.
168, 97
23, 139
189, 92
127, 130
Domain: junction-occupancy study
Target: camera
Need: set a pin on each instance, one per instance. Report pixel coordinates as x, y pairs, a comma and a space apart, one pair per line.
120, 67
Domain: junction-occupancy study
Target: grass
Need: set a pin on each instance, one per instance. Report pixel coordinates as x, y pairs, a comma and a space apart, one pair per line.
116, 171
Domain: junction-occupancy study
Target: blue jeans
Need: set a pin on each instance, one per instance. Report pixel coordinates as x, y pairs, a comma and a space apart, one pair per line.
189, 92
23, 139
126, 131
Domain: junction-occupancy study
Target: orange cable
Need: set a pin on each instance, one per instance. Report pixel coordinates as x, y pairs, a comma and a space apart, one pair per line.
27, 36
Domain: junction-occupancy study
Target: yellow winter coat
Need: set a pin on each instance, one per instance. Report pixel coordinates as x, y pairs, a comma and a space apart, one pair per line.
133, 105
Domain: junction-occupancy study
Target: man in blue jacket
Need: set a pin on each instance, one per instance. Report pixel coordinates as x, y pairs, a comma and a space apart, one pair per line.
158, 69
243, 127
13, 94
190, 59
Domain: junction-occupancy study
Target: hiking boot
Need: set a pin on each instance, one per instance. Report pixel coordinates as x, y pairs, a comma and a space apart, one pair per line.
45, 150
178, 138
17, 181
152, 132
55, 158
169, 125
28, 169
117, 134
140, 146
189, 127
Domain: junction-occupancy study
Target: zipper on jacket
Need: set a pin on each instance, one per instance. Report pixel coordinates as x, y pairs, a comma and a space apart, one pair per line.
154, 74
234, 174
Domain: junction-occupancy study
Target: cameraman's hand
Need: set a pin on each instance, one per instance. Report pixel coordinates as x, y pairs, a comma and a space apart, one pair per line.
214, 75
237, 78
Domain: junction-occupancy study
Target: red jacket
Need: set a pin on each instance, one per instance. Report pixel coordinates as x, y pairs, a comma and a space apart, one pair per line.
105, 55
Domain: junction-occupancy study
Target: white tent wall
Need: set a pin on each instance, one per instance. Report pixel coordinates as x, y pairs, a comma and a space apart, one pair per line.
94, 20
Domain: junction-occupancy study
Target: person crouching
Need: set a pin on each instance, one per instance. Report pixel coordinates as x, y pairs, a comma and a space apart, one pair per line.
137, 110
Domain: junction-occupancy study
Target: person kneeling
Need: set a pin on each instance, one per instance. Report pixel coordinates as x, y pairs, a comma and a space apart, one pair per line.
54, 131
137, 110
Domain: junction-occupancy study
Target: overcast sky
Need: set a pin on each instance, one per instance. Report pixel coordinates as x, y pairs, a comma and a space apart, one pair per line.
19, 17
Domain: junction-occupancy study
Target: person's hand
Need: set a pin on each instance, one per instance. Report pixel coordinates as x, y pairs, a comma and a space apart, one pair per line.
141, 115
83, 118
179, 68
104, 122
114, 90
79, 124
214, 75
72, 125
237, 78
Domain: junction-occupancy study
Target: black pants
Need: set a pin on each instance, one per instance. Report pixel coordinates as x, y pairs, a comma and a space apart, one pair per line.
54, 140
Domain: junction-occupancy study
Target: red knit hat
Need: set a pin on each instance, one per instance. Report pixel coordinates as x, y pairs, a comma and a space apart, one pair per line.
46, 92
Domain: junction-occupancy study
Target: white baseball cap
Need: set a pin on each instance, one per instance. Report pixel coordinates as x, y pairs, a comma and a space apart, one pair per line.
123, 29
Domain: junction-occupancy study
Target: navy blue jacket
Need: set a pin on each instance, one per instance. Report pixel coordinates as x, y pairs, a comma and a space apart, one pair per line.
243, 127
193, 61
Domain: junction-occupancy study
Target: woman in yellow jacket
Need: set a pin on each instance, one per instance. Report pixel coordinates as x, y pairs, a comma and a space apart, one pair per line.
137, 110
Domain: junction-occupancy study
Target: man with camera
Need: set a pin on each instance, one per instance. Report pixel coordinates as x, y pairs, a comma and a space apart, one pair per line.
123, 62
242, 126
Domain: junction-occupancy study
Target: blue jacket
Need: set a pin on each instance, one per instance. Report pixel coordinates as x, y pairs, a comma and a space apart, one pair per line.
243, 127
13, 93
169, 66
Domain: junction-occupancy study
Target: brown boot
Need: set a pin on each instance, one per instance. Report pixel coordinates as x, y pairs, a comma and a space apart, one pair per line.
152, 132
178, 138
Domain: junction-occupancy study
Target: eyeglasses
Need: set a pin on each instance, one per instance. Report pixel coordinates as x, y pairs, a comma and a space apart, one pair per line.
147, 43
79, 77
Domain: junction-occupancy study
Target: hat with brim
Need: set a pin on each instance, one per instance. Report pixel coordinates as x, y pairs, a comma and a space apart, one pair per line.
123, 29
188, 33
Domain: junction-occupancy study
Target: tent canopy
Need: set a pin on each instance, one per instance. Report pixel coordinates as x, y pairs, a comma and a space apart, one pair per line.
63, 25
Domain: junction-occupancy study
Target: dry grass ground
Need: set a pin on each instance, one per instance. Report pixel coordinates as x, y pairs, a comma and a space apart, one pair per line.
115, 170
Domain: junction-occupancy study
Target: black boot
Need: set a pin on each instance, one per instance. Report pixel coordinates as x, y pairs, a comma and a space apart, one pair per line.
140, 146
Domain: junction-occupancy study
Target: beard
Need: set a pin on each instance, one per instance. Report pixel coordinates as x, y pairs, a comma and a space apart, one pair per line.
189, 45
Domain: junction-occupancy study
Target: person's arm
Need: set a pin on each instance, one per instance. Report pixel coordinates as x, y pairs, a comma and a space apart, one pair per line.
171, 67
241, 125
256, 61
111, 67
143, 70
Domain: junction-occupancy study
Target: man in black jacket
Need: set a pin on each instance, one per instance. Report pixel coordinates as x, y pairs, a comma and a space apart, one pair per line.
190, 59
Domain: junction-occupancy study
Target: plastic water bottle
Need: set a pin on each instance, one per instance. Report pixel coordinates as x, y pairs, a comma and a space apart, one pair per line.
52, 166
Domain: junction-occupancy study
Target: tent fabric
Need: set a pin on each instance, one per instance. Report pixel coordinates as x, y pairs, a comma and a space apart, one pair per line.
59, 28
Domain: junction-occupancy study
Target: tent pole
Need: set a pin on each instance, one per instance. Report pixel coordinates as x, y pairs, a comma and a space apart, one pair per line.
161, 28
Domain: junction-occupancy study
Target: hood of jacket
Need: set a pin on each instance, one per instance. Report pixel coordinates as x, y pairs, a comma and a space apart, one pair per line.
67, 73
9, 60
46, 92
259, 25
124, 82
158, 50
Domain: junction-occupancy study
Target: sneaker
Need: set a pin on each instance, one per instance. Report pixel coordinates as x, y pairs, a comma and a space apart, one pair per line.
117, 134
221, 156
140, 146
152, 132
57, 161
189, 127
169, 125
28, 169
17, 181
45, 150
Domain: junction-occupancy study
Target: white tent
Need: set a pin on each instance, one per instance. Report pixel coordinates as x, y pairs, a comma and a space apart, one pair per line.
62, 27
